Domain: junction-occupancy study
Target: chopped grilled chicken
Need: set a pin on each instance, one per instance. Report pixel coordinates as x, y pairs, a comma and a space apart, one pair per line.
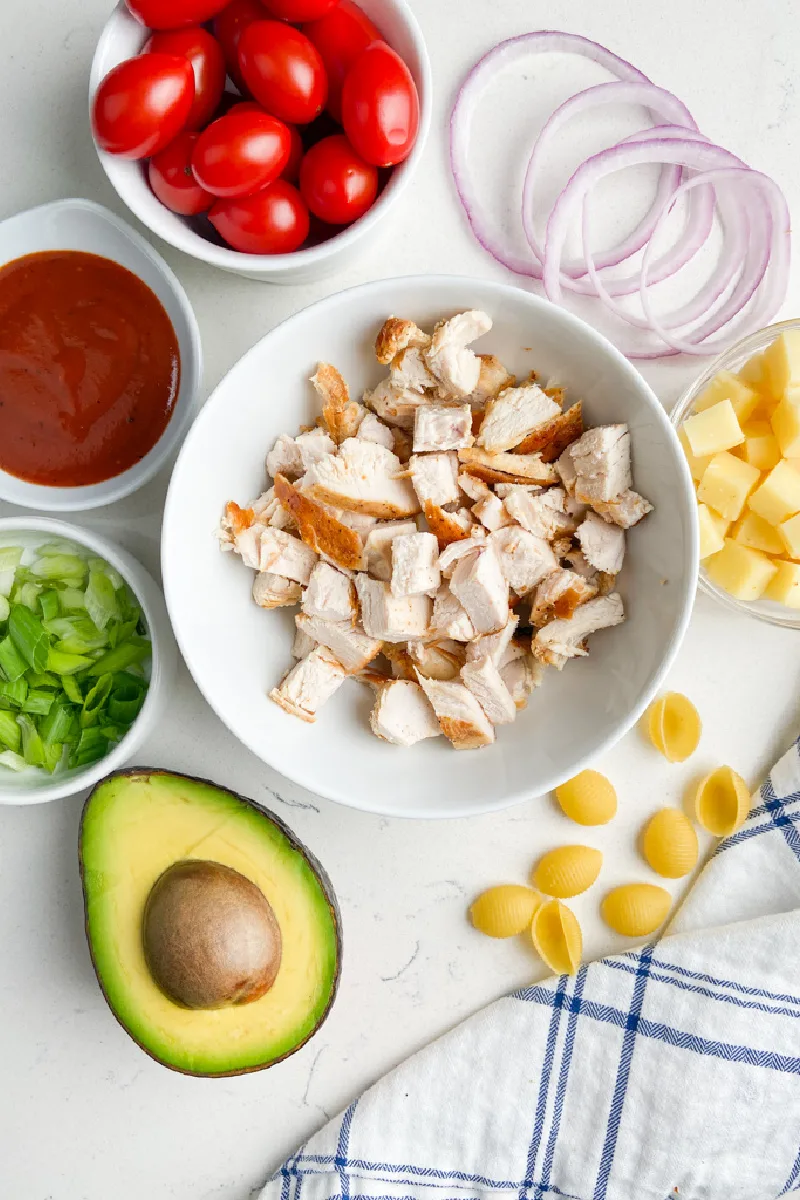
506, 468
319, 529
313, 446
492, 513
552, 439
378, 547
449, 620
302, 644
625, 510
372, 429
415, 565
281, 518
400, 661
521, 676
437, 660
395, 406
403, 442
493, 645
564, 639
566, 471
455, 366
602, 543
543, 514
265, 505
392, 618
395, 335
486, 684
514, 650
402, 714
409, 370
504, 490
284, 458
449, 526
602, 460
461, 718
561, 546
442, 427
575, 509
363, 477
559, 595
456, 550
309, 684
492, 379
579, 563
275, 591
329, 595
342, 416
435, 478
513, 415
286, 555
351, 646
479, 583
524, 558
474, 488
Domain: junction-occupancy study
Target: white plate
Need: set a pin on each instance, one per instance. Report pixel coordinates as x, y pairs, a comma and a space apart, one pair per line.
236, 652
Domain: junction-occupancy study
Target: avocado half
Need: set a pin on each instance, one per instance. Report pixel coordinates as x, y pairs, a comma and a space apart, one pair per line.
137, 825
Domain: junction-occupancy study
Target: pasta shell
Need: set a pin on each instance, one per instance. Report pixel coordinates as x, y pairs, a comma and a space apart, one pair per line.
669, 843
504, 911
557, 937
722, 802
567, 871
588, 799
636, 909
674, 726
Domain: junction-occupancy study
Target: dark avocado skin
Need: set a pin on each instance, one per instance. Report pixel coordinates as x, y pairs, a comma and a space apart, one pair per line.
317, 868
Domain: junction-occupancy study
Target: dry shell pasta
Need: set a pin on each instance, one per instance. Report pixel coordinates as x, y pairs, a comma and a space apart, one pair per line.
567, 871
674, 726
669, 843
588, 799
636, 909
557, 937
504, 911
722, 802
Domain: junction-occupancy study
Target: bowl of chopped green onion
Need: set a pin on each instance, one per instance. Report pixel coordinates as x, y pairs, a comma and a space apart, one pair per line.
86, 658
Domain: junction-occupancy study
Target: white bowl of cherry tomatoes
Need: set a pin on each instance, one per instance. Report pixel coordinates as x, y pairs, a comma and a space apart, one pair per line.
267, 137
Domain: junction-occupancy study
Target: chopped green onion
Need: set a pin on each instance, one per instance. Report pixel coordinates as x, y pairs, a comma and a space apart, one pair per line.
28, 595
71, 689
101, 599
48, 604
134, 651
10, 557
71, 599
12, 664
5, 609
91, 747
32, 748
66, 664
58, 725
38, 703
14, 762
10, 732
67, 568
13, 694
43, 679
125, 701
99, 564
29, 637
95, 700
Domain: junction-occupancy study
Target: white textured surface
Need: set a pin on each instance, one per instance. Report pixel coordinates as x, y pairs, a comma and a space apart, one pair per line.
83, 1114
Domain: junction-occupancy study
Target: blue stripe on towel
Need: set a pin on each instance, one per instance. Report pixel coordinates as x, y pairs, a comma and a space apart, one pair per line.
544, 1085
794, 1175
781, 818
558, 1104
698, 990
764, 993
342, 1148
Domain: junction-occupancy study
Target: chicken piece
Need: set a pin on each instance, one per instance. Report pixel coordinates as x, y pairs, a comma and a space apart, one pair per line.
352, 647
400, 661
362, 523
506, 468
309, 684
504, 490
275, 591
378, 547
329, 595
415, 565
435, 478
493, 645
474, 488
286, 555
409, 370
456, 550
524, 559
552, 439
514, 650
521, 676
485, 682
302, 644
449, 620
314, 446
455, 366
247, 544
542, 514
603, 544
341, 415
442, 427
395, 406
402, 443
234, 522
396, 334
448, 526
479, 583
319, 529
579, 563
402, 714
566, 471
492, 379
492, 513
372, 429
563, 639
625, 510
363, 477
461, 718
284, 458
437, 660
559, 595
561, 546
265, 505
513, 415
392, 618
602, 460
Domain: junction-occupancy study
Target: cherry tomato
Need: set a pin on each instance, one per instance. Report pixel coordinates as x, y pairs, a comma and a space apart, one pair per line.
283, 71
340, 36
172, 181
239, 154
296, 151
298, 10
228, 27
274, 221
335, 183
174, 14
142, 104
208, 64
380, 106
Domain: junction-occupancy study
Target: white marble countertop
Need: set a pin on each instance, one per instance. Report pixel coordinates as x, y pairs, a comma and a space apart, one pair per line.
84, 1115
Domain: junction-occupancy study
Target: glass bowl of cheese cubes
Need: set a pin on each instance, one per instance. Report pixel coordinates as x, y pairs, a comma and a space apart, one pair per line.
739, 425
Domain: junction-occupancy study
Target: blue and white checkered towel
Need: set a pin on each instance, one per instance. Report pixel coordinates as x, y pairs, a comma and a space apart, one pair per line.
673, 1071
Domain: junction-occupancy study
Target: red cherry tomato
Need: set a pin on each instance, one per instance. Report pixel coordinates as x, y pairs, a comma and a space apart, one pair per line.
380, 106
274, 221
283, 71
335, 183
298, 10
340, 36
239, 154
172, 181
174, 14
292, 169
142, 104
228, 27
208, 64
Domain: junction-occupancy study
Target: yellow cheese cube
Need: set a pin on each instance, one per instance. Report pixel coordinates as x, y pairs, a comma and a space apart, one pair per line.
785, 584
697, 466
726, 484
742, 572
778, 497
761, 451
753, 531
782, 362
754, 373
786, 424
714, 430
712, 538
725, 386
789, 533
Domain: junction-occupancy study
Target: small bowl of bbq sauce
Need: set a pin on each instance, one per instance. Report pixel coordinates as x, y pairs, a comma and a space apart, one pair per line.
100, 358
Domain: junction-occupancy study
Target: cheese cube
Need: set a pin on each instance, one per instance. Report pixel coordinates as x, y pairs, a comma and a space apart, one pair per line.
712, 537
740, 571
778, 497
725, 386
785, 584
782, 362
753, 531
786, 424
761, 450
714, 430
697, 466
726, 484
789, 534
754, 373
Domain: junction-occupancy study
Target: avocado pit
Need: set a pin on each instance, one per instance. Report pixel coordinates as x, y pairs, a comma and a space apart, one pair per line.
210, 936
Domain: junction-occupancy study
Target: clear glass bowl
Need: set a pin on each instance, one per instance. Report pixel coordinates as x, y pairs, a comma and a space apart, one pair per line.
733, 360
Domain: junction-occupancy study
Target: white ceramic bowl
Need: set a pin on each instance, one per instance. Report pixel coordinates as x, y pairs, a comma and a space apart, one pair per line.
124, 37
236, 652
36, 787
82, 225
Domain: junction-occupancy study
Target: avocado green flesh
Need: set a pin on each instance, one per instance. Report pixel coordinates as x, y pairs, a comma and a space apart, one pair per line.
134, 827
